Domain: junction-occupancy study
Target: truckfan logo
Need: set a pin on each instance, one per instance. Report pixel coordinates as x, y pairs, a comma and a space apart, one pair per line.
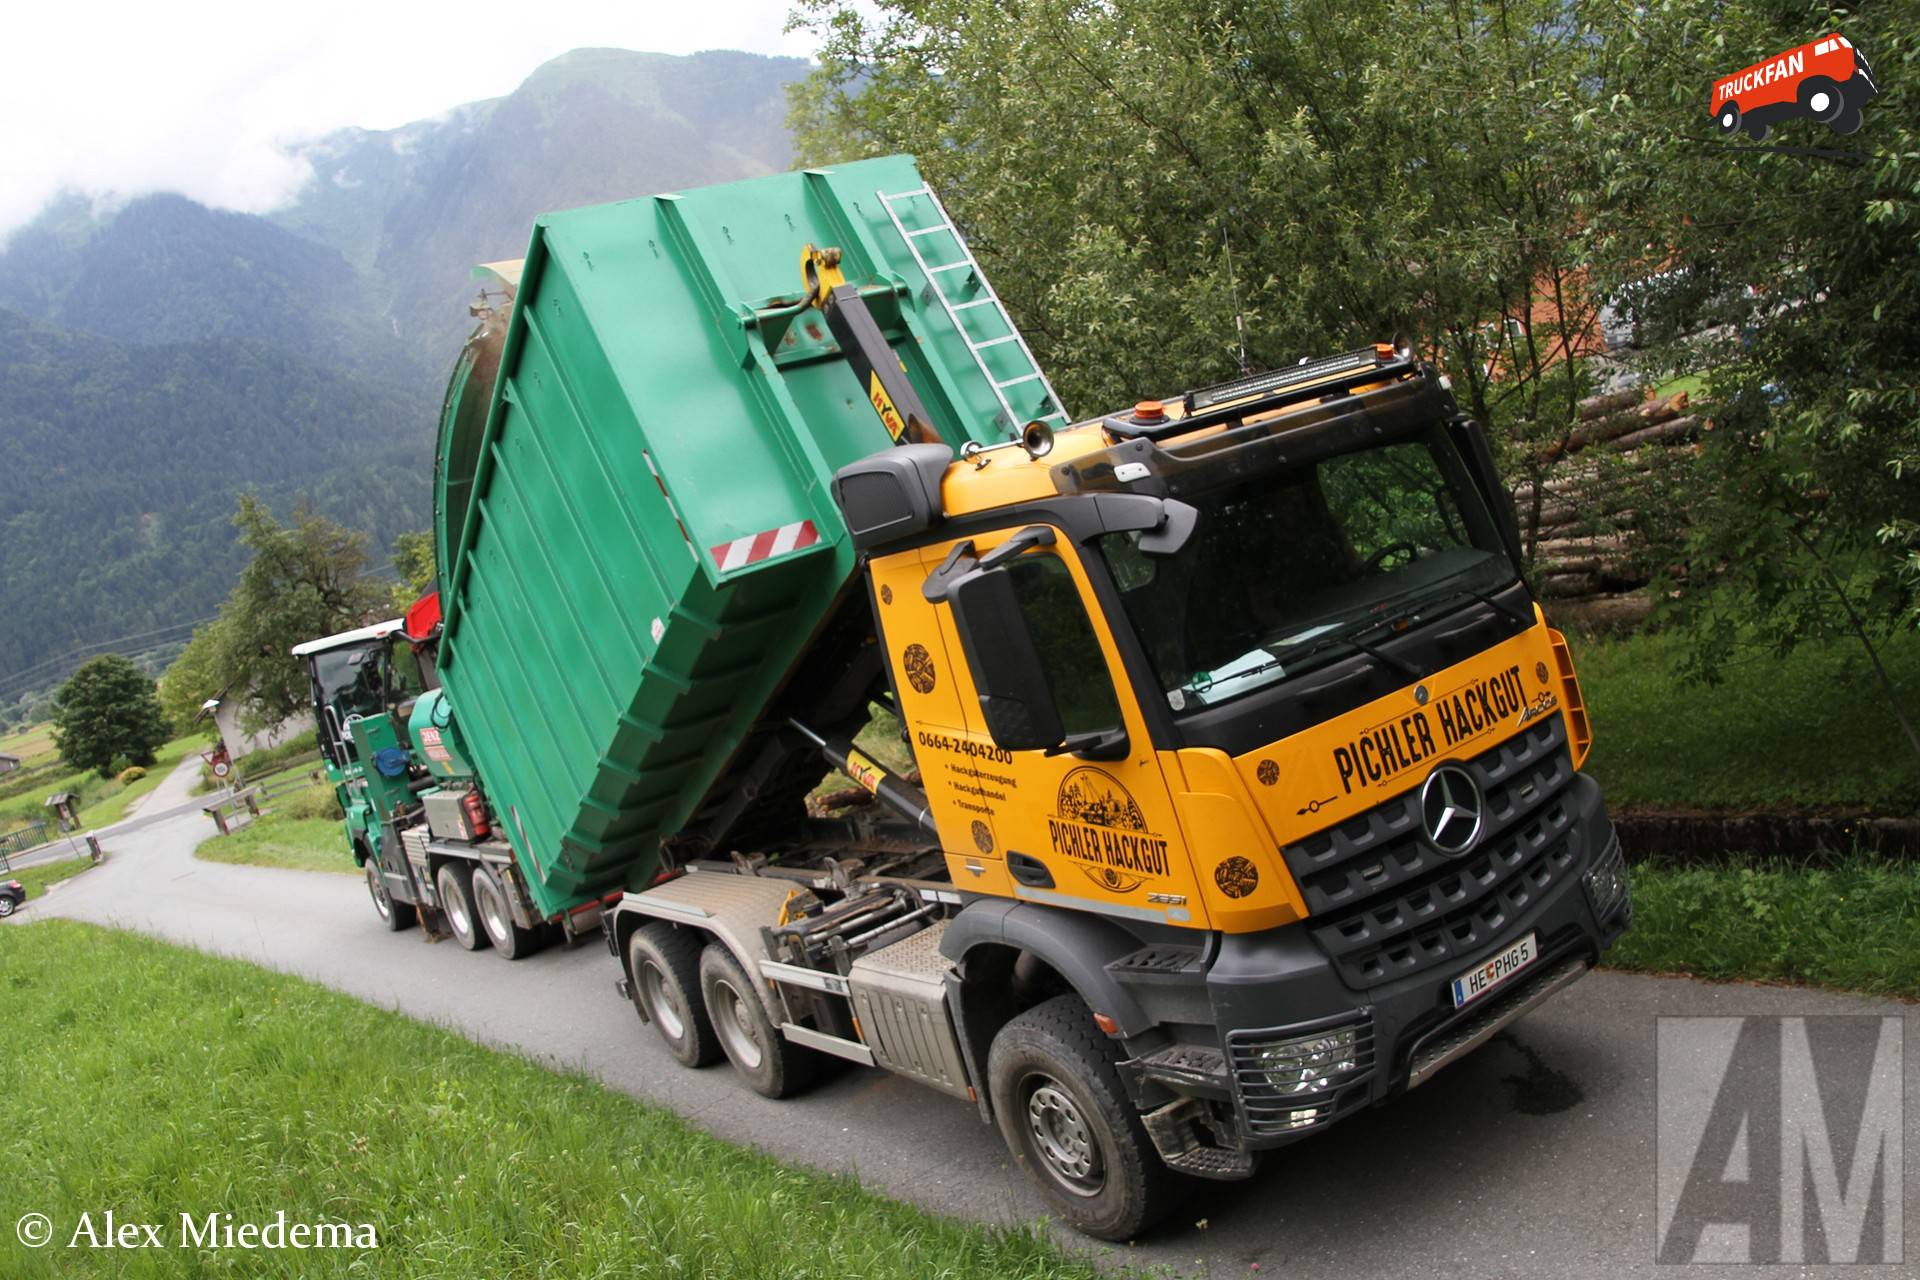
1451, 809
1100, 827
1827, 81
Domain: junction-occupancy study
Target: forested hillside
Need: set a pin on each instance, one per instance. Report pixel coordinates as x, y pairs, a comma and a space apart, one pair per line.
161, 356
121, 462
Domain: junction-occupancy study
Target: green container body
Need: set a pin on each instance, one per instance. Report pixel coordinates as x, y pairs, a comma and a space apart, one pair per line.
660, 396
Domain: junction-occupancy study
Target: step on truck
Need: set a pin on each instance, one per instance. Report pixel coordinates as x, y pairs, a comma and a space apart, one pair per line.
1222, 777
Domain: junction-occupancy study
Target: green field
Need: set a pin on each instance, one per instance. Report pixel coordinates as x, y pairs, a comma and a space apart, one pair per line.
227, 1088
103, 801
1853, 925
1808, 731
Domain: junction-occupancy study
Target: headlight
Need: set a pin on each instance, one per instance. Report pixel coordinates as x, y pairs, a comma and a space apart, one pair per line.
1606, 882
1311, 1063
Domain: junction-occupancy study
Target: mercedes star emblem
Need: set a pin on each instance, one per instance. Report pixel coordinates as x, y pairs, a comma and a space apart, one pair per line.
1451, 809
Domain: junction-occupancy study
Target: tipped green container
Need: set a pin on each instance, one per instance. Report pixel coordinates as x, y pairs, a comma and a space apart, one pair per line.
635, 532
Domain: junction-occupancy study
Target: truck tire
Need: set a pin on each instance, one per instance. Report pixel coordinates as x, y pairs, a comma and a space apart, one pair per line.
775, 1066
663, 964
395, 915
1821, 99
1065, 1117
454, 880
495, 913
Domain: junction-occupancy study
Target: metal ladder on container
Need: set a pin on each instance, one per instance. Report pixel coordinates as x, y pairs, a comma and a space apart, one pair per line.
934, 271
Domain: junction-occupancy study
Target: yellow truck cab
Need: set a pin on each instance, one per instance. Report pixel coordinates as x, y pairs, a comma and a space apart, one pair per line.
1253, 766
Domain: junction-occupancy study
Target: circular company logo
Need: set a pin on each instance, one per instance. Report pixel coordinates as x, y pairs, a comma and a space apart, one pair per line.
1452, 809
919, 665
886, 595
1268, 773
1237, 877
1540, 672
982, 838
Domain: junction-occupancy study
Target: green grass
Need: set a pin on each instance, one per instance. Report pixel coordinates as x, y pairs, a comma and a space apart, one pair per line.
283, 840
154, 1079
1808, 731
1693, 384
1853, 924
33, 745
37, 878
103, 801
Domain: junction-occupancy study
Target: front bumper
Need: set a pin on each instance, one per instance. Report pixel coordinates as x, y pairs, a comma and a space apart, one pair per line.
1550, 866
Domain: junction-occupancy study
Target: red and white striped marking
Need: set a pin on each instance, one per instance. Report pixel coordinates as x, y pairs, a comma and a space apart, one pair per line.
764, 545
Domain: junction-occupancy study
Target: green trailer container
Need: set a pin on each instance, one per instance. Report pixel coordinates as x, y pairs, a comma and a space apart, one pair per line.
636, 536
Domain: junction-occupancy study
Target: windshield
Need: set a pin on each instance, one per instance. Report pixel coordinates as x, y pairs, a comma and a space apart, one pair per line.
349, 681
1306, 564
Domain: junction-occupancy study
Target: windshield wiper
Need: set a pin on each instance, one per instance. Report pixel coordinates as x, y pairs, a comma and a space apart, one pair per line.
1353, 641
1520, 616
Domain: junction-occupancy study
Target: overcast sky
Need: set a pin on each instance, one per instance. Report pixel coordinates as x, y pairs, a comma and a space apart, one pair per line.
197, 96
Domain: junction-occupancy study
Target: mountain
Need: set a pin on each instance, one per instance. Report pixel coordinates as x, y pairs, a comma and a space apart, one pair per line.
122, 461
160, 356
417, 207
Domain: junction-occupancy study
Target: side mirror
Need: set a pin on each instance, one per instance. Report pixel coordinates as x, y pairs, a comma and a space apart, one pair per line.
1471, 439
1014, 694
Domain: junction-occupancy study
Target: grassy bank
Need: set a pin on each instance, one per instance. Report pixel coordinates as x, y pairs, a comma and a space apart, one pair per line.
1808, 731
279, 840
224, 1087
1851, 923
36, 879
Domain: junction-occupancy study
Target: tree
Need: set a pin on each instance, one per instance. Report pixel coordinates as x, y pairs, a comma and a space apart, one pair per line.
1784, 270
105, 711
306, 579
413, 561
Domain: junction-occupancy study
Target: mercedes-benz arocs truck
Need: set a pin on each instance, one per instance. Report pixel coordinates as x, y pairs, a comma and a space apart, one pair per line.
1245, 786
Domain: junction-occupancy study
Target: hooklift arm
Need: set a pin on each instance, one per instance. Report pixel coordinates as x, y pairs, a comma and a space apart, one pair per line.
867, 350
905, 799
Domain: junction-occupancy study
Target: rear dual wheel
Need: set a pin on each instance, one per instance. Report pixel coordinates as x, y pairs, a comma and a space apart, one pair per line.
495, 912
454, 881
663, 970
771, 1064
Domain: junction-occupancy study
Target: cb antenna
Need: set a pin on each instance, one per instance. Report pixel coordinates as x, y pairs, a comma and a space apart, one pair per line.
1233, 291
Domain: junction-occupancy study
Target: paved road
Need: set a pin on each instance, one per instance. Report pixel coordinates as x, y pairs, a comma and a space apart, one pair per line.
1532, 1158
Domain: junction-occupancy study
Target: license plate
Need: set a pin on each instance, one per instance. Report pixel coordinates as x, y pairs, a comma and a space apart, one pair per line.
1476, 982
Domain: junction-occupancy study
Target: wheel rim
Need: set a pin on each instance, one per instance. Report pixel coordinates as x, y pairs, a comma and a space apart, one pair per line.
492, 910
1820, 102
1062, 1139
735, 1026
6, 906
378, 892
658, 996
456, 907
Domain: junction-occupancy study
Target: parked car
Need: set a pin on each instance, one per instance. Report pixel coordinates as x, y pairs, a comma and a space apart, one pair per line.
12, 894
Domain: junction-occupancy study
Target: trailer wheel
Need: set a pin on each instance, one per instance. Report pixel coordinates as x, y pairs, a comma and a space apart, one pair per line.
663, 964
395, 915
775, 1066
455, 883
1066, 1119
496, 917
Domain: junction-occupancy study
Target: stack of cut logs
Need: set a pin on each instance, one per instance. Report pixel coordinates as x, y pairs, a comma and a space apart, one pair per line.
1580, 522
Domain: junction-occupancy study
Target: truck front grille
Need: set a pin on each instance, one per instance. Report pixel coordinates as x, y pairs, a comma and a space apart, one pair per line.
1386, 905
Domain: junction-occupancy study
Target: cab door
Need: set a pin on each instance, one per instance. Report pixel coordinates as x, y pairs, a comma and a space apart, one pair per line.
1093, 826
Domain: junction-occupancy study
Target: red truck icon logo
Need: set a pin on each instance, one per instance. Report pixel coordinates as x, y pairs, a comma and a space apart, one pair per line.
1826, 81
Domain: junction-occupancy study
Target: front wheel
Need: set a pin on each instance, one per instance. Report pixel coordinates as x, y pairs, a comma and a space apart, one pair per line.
1822, 99
1066, 1119
496, 916
1729, 119
7, 906
395, 915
